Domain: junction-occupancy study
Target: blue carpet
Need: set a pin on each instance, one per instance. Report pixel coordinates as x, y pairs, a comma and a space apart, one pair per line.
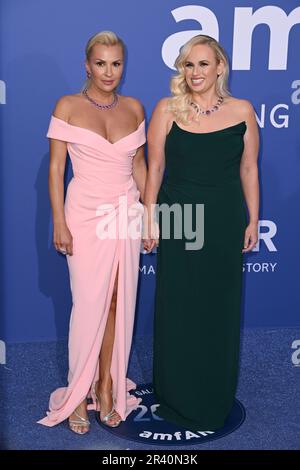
268, 388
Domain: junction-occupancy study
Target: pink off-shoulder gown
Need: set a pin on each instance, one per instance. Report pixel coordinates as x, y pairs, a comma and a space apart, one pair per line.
102, 188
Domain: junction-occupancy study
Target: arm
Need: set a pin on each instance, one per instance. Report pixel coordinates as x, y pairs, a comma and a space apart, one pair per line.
62, 238
158, 129
249, 177
139, 163
140, 171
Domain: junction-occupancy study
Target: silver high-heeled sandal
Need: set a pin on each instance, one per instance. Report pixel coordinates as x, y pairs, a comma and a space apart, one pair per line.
109, 415
79, 422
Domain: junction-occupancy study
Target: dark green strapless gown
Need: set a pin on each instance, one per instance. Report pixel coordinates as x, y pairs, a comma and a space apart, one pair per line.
198, 293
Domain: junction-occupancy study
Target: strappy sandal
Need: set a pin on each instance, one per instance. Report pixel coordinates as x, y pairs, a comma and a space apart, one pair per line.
83, 422
109, 415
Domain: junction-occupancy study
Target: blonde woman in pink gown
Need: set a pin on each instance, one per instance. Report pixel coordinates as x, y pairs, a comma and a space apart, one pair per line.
104, 133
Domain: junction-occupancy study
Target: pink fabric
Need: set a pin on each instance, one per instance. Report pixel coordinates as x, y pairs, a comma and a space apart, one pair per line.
102, 173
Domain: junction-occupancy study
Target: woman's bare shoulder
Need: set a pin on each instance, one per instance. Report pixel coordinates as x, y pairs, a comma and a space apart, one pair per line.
135, 105
65, 104
162, 110
163, 105
243, 111
241, 107
161, 120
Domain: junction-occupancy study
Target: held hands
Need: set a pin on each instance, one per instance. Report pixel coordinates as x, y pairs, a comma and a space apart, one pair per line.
251, 237
62, 239
150, 234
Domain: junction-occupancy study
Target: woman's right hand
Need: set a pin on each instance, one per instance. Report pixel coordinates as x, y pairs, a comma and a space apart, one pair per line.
150, 235
62, 239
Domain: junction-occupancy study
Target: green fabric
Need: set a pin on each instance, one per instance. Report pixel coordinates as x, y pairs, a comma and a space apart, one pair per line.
198, 293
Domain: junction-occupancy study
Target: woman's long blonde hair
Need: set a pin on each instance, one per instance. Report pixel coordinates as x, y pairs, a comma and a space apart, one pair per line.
179, 103
106, 38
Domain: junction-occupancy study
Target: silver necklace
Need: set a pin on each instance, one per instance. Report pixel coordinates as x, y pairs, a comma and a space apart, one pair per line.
207, 112
101, 106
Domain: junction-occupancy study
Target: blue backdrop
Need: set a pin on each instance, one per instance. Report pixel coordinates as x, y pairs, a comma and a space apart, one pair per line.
43, 58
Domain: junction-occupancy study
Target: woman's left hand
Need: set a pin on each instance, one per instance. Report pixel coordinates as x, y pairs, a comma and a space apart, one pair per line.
251, 237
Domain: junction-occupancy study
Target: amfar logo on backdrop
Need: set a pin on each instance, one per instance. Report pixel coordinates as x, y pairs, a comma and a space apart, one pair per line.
2, 92
296, 354
278, 114
245, 21
266, 235
295, 98
278, 118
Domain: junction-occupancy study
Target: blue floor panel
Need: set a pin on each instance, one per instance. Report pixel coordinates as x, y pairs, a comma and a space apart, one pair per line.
268, 388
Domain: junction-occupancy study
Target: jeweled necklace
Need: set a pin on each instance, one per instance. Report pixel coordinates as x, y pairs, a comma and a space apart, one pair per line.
207, 112
101, 106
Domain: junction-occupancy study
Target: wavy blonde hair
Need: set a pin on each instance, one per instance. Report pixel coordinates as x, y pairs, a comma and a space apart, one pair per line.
179, 103
106, 38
